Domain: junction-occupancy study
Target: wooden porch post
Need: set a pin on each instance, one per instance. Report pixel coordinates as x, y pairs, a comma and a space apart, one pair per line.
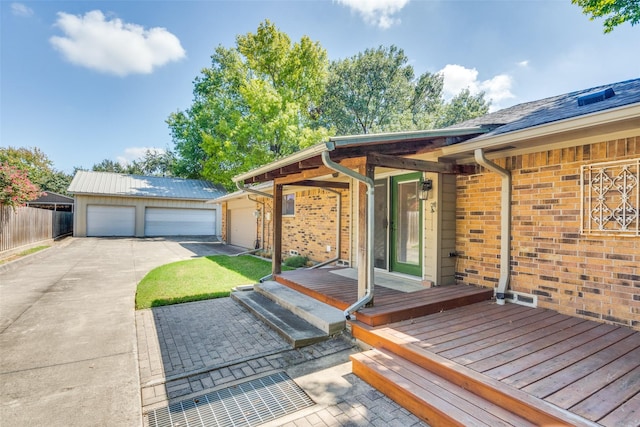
276, 256
363, 243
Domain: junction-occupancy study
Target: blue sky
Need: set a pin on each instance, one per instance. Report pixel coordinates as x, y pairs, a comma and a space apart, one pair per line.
86, 81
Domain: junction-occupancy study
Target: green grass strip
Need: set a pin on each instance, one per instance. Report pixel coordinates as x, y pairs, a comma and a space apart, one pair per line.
199, 279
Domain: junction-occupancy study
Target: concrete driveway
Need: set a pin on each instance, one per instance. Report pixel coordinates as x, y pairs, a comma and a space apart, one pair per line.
68, 351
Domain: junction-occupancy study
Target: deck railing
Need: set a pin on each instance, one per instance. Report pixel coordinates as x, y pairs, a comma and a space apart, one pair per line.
26, 225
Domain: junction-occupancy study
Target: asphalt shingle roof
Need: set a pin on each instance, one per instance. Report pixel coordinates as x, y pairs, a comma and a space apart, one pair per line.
555, 108
117, 184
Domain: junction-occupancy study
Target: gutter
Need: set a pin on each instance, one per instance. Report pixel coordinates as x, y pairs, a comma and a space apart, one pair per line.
505, 223
242, 187
368, 296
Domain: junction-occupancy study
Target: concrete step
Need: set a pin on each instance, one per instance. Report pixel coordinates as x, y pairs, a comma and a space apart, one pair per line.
293, 329
323, 316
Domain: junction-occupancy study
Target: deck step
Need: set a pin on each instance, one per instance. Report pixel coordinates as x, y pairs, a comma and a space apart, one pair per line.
406, 353
430, 397
323, 316
296, 331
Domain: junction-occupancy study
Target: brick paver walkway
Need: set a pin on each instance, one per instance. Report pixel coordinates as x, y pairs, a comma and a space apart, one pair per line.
190, 349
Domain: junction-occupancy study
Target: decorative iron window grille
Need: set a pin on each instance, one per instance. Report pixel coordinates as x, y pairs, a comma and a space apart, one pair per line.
611, 198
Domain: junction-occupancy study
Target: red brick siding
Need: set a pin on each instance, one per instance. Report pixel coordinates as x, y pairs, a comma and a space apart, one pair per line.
595, 277
313, 226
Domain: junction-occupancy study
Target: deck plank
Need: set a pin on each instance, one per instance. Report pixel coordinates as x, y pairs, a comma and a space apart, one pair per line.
444, 319
599, 404
527, 335
570, 358
592, 383
539, 319
455, 321
449, 337
570, 374
627, 414
545, 352
504, 357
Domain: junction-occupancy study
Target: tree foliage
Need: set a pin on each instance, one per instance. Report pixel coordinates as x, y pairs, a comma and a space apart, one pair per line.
38, 168
376, 91
15, 187
615, 12
463, 106
257, 102
152, 163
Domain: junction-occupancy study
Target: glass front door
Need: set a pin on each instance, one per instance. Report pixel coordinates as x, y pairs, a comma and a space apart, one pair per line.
405, 231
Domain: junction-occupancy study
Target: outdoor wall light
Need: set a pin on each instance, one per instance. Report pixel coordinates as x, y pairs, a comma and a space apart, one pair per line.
425, 186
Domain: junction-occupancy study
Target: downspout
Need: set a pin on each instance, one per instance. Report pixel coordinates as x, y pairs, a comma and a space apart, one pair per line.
338, 226
261, 246
368, 296
505, 223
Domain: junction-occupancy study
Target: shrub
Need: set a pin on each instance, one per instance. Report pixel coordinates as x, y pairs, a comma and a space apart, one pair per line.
296, 261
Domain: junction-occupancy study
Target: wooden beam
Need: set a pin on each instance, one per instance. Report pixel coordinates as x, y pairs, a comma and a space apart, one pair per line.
276, 255
382, 160
323, 184
320, 171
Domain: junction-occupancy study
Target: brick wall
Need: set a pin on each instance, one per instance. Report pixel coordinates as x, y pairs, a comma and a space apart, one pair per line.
595, 277
313, 226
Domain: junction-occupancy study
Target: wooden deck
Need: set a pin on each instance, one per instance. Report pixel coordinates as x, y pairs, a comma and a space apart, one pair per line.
390, 305
536, 364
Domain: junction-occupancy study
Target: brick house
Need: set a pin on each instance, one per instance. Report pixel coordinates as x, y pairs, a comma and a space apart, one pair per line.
539, 201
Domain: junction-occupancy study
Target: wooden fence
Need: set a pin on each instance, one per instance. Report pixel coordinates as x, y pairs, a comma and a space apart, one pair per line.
26, 225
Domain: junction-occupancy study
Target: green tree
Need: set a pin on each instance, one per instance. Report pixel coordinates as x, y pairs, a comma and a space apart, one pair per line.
157, 163
463, 106
615, 12
38, 167
108, 165
257, 102
152, 163
376, 91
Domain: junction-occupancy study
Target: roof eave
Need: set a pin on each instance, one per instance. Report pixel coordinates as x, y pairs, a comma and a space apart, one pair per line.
592, 120
354, 141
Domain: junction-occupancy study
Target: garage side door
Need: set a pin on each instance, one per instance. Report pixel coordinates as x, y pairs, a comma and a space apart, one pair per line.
111, 220
242, 227
179, 222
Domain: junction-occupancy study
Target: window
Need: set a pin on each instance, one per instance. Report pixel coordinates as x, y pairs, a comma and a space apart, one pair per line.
289, 204
611, 198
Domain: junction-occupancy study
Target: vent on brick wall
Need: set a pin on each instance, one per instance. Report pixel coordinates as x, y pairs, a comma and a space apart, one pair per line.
594, 97
522, 298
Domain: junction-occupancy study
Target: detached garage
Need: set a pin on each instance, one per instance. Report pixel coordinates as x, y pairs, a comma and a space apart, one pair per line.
113, 204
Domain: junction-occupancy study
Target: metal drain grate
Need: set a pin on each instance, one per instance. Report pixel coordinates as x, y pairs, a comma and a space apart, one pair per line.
247, 404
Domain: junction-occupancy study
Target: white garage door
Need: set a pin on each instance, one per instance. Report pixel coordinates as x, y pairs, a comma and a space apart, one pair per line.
111, 220
242, 227
179, 222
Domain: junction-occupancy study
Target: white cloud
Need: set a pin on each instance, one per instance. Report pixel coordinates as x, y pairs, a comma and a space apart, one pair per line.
20, 9
457, 78
113, 46
136, 153
523, 64
377, 12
